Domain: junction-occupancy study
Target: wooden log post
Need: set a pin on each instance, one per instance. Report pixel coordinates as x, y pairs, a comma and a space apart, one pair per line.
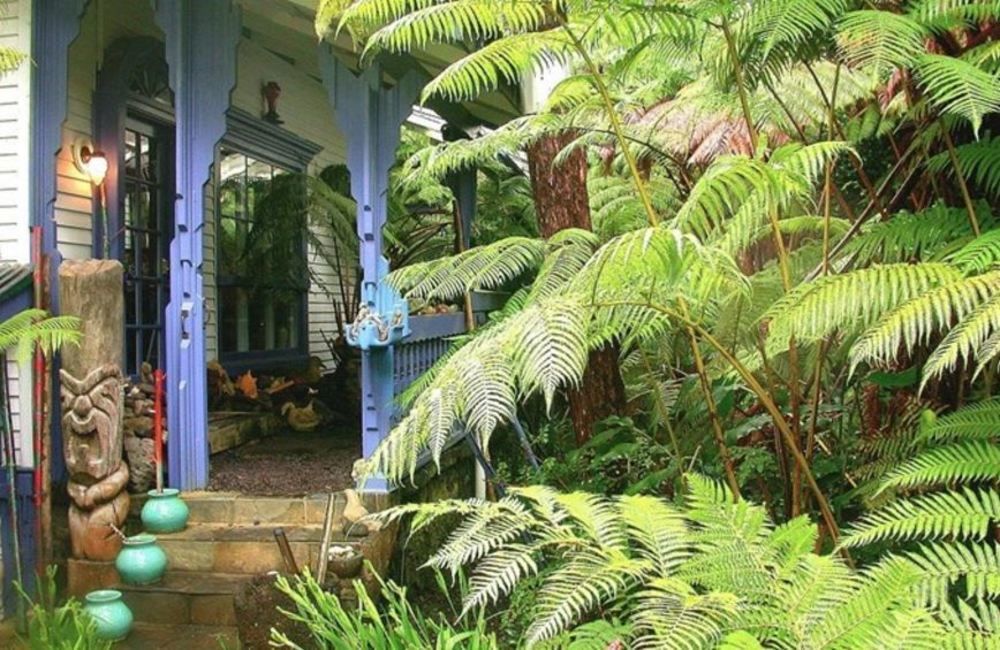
92, 402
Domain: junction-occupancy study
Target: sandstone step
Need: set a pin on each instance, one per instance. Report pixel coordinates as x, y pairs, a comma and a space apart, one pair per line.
227, 508
238, 549
186, 597
146, 636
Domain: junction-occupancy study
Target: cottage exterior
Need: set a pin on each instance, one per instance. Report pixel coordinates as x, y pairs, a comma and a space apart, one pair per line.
175, 94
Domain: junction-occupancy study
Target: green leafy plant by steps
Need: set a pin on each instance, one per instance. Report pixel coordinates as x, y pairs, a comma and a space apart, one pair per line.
713, 573
55, 625
392, 623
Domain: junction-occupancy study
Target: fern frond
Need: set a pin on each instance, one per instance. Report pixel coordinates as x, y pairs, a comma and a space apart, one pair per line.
972, 422
941, 566
455, 20
792, 23
478, 269
588, 580
911, 236
879, 40
979, 255
979, 162
505, 60
24, 330
851, 301
965, 341
957, 87
964, 462
962, 515
913, 323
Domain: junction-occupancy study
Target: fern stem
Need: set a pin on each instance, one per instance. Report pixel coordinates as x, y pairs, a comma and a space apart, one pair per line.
616, 125
713, 411
740, 88
765, 398
835, 127
663, 411
804, 139
966, 198
794, 388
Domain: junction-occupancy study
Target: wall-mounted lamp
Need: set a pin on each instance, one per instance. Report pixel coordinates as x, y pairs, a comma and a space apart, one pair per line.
90, 162
94, 165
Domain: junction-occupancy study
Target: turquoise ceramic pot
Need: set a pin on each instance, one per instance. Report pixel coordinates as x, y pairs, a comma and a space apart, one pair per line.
112, 616
141, 561
164, 512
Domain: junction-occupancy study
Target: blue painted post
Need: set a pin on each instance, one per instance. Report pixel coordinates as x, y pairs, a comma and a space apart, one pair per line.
370, 117
463, 185
201, 41
55, 25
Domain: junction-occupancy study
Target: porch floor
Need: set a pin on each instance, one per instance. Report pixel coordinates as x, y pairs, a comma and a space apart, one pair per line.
288, 464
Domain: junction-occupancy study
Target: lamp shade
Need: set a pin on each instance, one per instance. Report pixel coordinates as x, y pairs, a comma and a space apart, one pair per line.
96, 167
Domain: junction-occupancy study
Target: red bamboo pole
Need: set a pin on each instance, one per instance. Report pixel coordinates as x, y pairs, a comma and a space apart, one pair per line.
38, 413
158, 427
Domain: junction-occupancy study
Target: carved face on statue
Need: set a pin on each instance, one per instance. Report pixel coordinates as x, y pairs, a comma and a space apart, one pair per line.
91, 413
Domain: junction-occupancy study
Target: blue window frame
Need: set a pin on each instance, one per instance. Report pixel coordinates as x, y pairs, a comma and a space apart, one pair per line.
261, 255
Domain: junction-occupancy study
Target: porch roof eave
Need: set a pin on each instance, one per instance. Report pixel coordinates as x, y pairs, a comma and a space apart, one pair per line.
286, 18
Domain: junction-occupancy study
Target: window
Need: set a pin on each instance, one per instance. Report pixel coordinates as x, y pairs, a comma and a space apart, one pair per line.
261, 293
146, 226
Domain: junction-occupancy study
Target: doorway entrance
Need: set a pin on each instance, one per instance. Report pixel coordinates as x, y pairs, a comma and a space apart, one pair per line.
147, 225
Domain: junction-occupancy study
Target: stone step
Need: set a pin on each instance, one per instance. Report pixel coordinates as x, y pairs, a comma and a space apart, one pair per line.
225, 508
238, 549
185, 597
146, 636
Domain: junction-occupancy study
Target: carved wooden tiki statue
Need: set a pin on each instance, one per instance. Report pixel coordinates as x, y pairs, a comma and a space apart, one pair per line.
92, 402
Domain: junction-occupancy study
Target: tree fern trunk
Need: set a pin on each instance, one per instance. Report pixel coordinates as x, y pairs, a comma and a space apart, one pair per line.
562, 201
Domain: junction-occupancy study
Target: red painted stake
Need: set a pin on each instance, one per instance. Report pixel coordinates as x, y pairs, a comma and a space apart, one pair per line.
39, 448
158, 427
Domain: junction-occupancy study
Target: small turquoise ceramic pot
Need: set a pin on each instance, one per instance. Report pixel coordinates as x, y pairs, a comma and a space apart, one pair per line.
141, 561
164, 512
112, 616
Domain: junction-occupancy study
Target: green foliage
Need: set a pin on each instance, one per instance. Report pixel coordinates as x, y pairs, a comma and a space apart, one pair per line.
55, 626
31, 327
716, 569
396, 624
953, 474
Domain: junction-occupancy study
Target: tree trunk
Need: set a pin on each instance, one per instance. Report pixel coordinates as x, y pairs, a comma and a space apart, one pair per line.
562, 201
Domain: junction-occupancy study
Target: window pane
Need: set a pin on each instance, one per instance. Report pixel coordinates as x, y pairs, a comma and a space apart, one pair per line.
259, 311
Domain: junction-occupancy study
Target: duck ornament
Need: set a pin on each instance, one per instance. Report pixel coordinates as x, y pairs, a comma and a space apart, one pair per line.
302, 419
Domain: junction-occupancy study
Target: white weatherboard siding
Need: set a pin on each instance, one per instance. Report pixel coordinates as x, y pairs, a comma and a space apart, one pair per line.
15, 87
306, 111
15, 240
15, 237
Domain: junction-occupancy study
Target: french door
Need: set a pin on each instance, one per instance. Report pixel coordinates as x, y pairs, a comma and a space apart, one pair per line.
147, 228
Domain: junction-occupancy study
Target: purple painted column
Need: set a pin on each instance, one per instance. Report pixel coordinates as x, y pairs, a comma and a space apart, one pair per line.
370, 116
202, 36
